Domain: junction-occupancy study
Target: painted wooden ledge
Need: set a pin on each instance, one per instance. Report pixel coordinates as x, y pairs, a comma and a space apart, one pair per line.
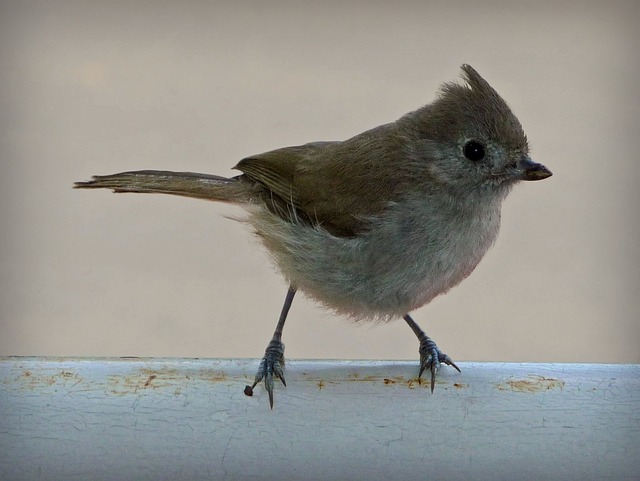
188, 419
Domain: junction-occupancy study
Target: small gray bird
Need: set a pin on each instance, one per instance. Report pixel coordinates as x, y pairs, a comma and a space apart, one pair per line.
378, 225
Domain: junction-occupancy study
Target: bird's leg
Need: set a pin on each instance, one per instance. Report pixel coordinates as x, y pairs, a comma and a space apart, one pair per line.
273, 361
430, 355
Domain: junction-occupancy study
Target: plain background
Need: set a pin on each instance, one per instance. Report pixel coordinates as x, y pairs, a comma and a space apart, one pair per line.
95, 87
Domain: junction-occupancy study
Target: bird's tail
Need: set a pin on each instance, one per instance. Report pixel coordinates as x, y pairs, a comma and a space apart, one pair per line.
187, 184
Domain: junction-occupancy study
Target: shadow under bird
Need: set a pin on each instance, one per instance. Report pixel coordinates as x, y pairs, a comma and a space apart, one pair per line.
375, 226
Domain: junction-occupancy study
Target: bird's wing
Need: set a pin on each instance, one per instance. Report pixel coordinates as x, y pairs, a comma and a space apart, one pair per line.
320, 182
276, 170
340, 186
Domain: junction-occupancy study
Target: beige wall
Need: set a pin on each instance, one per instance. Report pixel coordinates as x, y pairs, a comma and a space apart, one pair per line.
93, 87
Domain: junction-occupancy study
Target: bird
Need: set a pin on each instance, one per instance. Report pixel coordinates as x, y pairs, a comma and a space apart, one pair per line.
377, 225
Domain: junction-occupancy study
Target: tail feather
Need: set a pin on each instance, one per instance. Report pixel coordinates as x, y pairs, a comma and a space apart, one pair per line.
187, 184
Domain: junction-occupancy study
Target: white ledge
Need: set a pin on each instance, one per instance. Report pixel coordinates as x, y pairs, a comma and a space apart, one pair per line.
188, 419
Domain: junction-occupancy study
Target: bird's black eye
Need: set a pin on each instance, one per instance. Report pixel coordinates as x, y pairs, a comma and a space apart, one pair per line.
473, 150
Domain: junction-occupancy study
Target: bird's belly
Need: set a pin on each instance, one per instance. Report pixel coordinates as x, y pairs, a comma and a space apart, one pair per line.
379, 276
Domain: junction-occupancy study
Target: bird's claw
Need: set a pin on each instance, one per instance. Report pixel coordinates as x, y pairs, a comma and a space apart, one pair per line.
272, 364
430, 359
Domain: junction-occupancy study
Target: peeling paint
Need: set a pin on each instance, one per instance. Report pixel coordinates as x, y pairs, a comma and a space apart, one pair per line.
146, 378
135, 381
533, 383
28, 380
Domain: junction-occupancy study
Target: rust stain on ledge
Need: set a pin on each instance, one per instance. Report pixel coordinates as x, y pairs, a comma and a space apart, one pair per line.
533, 383
27, 379
411, 383
145, 378
151, 378
357, 378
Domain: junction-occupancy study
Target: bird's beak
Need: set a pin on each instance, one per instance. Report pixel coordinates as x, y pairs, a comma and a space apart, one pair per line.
531, 171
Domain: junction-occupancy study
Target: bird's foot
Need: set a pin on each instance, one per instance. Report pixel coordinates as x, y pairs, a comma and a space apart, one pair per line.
272, 364
430, 359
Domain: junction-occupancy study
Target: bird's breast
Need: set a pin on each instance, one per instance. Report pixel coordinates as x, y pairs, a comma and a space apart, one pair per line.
402, 262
